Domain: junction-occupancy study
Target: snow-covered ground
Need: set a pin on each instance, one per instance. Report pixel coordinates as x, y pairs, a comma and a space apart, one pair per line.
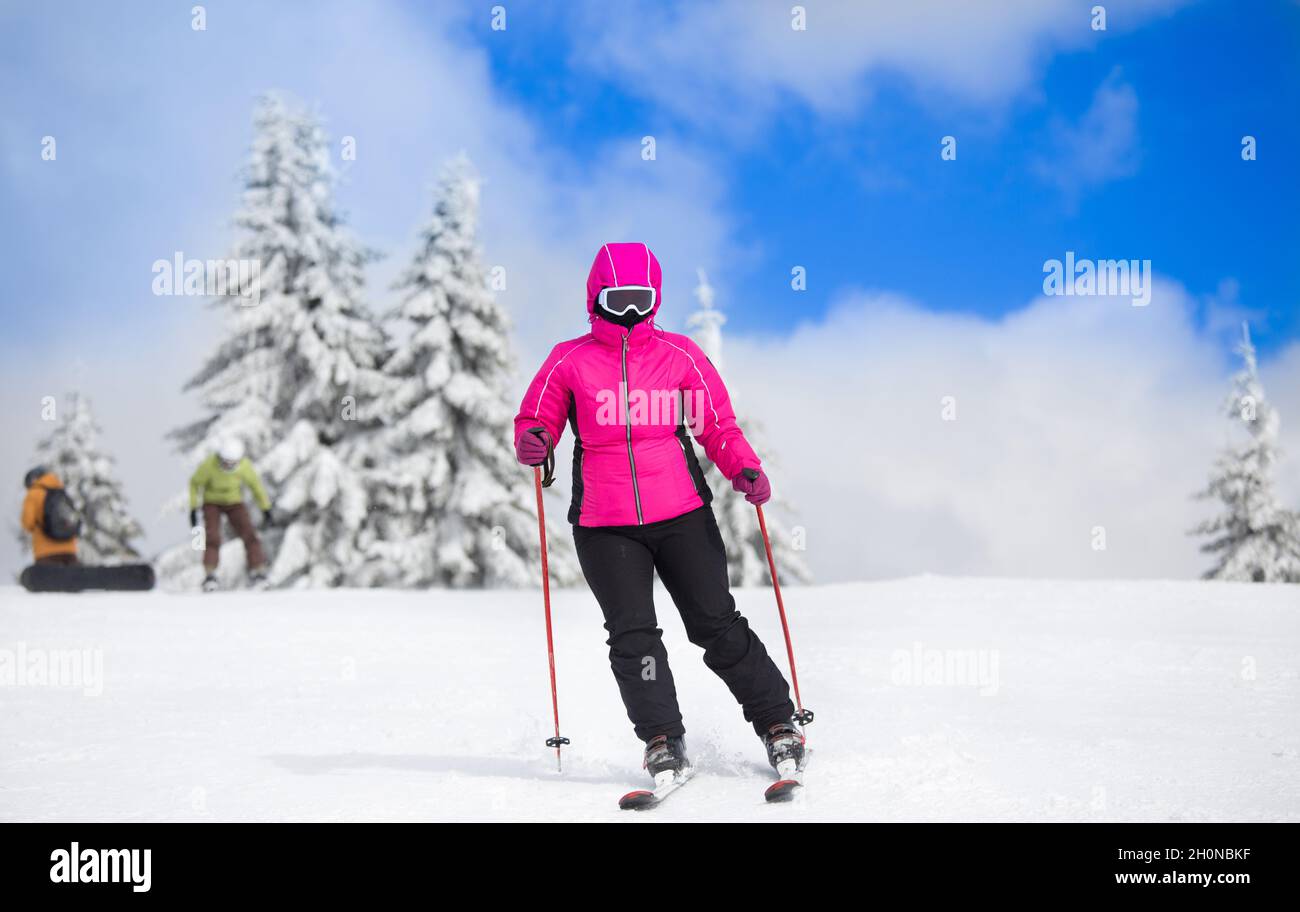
936, 699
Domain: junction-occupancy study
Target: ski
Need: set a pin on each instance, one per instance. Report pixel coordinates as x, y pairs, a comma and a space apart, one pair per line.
790, 781
666, 783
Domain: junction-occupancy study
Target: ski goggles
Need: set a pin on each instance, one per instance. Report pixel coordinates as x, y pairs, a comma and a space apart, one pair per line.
619, 299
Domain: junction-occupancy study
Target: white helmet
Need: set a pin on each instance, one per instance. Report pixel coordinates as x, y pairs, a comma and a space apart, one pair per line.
230, 450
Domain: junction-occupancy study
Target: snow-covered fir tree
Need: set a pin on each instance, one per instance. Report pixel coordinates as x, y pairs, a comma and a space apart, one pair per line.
737, 518
71, 451
297, 375
450, 505
1254, 539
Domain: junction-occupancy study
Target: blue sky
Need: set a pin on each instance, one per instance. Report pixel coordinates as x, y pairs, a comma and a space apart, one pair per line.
775, 148
865, 199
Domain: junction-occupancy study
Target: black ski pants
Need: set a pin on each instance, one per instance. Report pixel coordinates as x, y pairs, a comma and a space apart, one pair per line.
619, 563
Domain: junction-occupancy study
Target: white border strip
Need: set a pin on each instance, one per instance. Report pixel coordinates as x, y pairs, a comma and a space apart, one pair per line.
542, 394
716, 420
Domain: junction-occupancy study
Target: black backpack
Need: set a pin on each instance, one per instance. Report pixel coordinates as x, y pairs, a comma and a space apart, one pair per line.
61, 521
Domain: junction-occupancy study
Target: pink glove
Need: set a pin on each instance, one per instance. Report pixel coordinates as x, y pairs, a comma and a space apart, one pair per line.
532, 446
754, 485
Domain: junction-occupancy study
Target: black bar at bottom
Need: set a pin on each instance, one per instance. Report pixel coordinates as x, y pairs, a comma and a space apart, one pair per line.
332, 861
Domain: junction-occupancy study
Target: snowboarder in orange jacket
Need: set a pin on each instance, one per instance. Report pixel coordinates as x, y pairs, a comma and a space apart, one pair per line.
46, 550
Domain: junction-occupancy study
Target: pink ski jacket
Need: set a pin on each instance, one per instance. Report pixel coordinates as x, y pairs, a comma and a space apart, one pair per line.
631, 397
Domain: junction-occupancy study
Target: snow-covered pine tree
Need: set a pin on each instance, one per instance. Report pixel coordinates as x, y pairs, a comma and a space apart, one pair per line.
1255, 538
296, 377
71, 450
451, 505
737, 519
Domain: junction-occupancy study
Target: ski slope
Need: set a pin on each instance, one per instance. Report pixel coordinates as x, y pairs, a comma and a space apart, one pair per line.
936, 699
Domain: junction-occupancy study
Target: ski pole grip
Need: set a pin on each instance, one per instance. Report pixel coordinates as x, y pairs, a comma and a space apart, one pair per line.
548, 464
751, 474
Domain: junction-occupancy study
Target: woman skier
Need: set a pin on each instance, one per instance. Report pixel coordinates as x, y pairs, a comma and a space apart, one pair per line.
630, 391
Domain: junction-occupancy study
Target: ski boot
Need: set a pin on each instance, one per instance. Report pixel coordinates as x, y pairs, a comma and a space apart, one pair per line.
210, 583
665, 758
784, 748
785, 751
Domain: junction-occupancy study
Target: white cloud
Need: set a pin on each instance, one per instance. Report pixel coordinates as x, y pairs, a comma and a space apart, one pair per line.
731, 60
1071, 413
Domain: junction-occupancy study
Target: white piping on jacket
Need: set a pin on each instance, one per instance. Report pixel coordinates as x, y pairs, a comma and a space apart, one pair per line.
542, 394
716, 420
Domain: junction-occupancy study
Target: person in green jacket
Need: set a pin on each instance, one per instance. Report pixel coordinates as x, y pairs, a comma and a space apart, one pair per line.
218, 484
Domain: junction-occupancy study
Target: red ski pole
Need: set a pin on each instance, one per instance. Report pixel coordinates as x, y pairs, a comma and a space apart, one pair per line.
557, 740
803, 716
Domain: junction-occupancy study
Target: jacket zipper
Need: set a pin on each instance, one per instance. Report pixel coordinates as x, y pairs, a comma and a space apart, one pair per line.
627, 422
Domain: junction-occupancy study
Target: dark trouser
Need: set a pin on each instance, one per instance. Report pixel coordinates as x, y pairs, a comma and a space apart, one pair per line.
619, 564
64, 560
241, 522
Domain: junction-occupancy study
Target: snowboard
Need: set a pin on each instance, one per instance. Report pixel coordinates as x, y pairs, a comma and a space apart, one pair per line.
79, 577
